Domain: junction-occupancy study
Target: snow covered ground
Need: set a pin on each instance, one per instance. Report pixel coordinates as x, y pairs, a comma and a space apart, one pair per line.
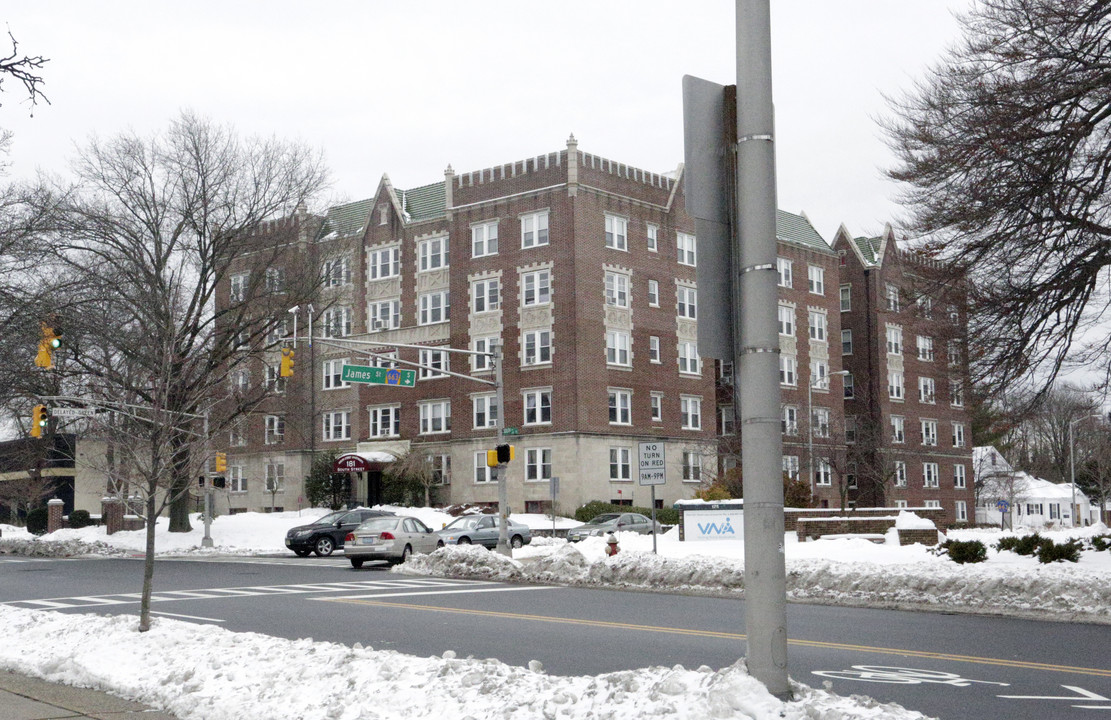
214, 673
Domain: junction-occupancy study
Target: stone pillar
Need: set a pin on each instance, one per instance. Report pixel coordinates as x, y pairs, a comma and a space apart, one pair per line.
111, 512
449, 190
54, 515
572, 166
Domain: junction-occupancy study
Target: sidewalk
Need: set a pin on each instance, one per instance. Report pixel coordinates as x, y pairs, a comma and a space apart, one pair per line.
27, 698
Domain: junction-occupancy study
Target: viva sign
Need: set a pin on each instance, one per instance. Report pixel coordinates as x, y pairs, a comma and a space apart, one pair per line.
714, 524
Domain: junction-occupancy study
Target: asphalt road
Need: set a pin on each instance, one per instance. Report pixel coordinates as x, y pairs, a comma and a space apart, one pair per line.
950, 666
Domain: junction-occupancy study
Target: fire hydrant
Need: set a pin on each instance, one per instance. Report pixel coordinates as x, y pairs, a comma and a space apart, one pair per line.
611, 545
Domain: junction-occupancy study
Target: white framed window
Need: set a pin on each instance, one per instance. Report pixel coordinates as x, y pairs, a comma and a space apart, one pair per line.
927, 391
484, 239
617, 348
656, 406
898, 429
687, 249
788, 370
958, 434
435, 417
785, 271
275, 477
485, 295
336, 322
384, 262
961, 511
846, 342
483, 473
823, 473
816, 279
654, 349
929, 474
333, 374
620, 407
653, 293
537, 347
538, 406
925, 306
850, 429
956, 393
536, 288
435, 307
692, 466
384, 359
896, 389
238, 287
621, 465
925, 348
433, 363
818, 326
726, 420
383, 315
534, 229
901, 503
483, 345
786, 321
689, 362
275, 430
846, 298
385, 421
894, 340
790, 421
850, 386
960, 476
617, 232
485, 409
441, 468
337, 425
239, 380
337, 271
953, 352
688, 302
690, 412
820, 422
237, 433
274, 379
900, 473
432, 253
279, 330
791, 466
929, 432
237, 483
617, 289
653, 232
891, 293
819, 375
538, 465
275, 280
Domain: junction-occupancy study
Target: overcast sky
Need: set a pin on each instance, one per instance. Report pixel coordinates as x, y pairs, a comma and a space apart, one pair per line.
406, 88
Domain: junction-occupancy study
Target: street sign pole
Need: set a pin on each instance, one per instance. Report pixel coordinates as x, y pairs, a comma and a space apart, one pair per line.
206, 541
503, 490
652, 461
555, 491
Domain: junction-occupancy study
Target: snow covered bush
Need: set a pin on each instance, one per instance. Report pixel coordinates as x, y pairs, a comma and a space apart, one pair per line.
963, 551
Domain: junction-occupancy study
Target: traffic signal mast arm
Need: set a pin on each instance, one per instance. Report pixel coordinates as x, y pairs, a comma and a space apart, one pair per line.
357, 345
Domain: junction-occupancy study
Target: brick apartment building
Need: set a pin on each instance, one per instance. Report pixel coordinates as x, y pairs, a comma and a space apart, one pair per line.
583, 269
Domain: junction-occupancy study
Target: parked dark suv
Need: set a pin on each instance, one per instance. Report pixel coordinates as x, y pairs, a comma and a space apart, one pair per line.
327, 533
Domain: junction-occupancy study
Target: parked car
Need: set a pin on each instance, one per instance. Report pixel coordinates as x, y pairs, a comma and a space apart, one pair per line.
612, 522
483, 530
327, 533
392, 539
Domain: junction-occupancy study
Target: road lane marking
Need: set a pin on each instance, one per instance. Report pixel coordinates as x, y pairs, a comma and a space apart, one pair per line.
817, 644
187, 617
431, 592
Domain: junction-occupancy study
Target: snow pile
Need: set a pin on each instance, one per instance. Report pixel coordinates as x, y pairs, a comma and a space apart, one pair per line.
207, 673
910, 521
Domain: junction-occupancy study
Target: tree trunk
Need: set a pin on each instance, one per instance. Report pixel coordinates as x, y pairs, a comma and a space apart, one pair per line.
148, 562
179, 488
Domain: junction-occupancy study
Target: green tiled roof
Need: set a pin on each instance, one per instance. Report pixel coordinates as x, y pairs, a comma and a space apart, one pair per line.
346, 220
424, 203
797, 229
869, 249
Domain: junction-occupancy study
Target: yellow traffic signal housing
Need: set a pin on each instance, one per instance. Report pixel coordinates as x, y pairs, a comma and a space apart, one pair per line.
50, 341
221, 462
38, 420
287, 363
499, 455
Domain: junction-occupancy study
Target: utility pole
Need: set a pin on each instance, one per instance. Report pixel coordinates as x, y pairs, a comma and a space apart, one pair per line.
503, 486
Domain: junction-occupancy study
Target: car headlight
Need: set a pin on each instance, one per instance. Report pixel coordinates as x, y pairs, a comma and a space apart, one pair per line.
597, 532
302, 533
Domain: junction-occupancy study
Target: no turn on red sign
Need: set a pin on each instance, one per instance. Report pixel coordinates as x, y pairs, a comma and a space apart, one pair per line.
652, 463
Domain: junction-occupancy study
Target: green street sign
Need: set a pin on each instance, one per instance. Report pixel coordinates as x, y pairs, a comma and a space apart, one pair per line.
379, 376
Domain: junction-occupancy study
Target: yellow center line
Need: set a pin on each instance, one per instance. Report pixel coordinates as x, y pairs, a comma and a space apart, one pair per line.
1000, 662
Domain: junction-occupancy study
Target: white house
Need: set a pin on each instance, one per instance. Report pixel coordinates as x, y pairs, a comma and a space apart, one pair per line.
1021, 500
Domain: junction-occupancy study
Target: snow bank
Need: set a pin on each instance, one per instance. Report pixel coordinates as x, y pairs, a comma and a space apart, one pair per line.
203, 672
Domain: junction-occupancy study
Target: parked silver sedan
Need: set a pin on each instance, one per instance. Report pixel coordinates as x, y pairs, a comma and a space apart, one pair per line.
484, 530
612, 522
392, 539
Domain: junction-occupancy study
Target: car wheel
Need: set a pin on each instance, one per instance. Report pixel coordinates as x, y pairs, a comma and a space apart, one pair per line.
464, 540
405, 554
517, 542
302, 553
440, 544
324, 546
356, 563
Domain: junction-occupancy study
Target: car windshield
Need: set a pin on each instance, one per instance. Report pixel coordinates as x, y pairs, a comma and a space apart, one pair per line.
378, 524
467, 522
330, 518
603, 519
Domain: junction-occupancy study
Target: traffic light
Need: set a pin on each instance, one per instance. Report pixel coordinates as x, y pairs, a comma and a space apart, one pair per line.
200, 481
287, 362
50, 341
499, 455
219, 482
38, 420
221, 462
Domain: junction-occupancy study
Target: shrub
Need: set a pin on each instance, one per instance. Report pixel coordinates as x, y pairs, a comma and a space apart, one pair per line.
1050, 551
1101, 542
586, 513
36, 521
80, 519
964, 551
1026, 545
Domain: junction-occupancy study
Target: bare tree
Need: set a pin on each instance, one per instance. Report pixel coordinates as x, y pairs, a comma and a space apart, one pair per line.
24, 70
1004, 150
